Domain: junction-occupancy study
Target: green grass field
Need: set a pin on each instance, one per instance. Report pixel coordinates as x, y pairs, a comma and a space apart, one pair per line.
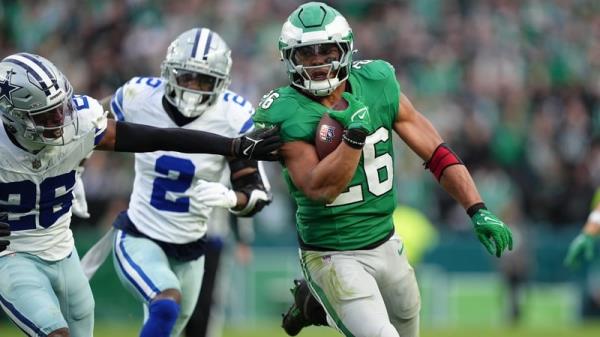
272, 331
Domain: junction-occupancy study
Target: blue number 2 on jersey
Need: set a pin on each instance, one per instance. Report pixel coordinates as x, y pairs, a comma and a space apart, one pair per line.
21, 197
179, 174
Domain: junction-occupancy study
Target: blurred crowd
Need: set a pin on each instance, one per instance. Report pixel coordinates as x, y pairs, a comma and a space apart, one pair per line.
513, 86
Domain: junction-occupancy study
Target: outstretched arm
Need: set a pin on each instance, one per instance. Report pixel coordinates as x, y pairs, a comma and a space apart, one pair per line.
420, 135
261, 144
454, 177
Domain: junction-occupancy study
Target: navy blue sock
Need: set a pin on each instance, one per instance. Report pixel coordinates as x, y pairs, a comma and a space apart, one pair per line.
163, 314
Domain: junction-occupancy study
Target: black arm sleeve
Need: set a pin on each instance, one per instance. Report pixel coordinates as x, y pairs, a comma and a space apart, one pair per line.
132, 137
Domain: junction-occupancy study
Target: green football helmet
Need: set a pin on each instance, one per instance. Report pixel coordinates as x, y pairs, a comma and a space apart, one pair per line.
316, 45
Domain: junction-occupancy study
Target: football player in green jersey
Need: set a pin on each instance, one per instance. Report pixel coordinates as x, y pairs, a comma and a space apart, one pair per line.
353, 263
583, 245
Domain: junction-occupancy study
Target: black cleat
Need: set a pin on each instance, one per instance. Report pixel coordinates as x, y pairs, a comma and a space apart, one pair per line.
305, 311
293, 321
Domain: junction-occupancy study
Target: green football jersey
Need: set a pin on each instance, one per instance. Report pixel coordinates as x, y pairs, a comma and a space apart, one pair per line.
362, 215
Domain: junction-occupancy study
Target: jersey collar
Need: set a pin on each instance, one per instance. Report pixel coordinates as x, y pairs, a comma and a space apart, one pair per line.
175, 115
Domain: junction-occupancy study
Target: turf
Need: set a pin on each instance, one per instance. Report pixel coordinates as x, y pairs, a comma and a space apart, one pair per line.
7, 330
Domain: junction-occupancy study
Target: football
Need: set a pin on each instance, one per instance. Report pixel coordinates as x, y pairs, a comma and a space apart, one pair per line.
328, 136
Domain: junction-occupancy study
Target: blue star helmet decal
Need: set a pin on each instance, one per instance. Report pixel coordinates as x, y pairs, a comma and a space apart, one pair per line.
6, 88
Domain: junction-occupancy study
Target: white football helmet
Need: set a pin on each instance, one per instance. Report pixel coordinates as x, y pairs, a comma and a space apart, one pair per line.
197, 70
36, 101
314, 28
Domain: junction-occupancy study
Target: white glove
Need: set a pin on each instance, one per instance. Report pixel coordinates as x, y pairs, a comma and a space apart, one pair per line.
214, 195
80, 207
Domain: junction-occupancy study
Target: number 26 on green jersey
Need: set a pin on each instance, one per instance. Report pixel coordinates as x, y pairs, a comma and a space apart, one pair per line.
372, 165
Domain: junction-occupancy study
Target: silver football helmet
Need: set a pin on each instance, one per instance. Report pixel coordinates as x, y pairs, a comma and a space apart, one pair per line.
197, 69
36, 101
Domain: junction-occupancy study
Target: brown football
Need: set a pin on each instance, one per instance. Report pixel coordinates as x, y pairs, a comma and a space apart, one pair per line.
328, 136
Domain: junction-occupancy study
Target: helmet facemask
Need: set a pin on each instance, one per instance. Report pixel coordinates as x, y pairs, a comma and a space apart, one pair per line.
55, 126
192, 92
318, 68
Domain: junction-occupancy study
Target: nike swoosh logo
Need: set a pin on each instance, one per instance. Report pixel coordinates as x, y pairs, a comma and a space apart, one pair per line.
492, 220
246, 150
360, 113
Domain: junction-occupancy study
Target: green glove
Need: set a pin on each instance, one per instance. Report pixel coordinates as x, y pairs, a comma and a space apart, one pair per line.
492, 232
355, 116
583, 244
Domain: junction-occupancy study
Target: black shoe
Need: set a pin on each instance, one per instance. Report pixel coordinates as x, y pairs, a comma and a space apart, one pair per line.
293, 321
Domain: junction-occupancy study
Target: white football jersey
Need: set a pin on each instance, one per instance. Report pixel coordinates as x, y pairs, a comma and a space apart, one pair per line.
162, 202
36, 189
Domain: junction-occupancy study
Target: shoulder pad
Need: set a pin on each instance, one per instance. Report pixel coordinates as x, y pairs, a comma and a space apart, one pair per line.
239, 112
295, 114
90, 113
132, 90
277, 105
373, 69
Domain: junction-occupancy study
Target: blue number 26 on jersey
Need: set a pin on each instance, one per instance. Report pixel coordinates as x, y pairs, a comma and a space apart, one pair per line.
20, 200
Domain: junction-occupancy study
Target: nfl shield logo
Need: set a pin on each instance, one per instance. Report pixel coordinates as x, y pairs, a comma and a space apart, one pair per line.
326, 133
36, 164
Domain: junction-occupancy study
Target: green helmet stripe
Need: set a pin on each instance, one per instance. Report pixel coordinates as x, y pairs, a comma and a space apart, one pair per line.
312, 16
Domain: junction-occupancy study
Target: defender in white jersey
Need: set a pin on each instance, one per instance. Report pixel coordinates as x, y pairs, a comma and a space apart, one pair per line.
160, 241
45, 132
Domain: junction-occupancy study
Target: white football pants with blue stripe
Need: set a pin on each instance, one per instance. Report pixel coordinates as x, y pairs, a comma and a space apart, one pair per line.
145, 270
41, 296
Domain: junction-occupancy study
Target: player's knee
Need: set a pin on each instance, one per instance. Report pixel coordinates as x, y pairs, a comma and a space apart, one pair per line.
83, 310
169, 294
407, 327
377, 328
62, 332
406, 303
164, 310
387, 330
